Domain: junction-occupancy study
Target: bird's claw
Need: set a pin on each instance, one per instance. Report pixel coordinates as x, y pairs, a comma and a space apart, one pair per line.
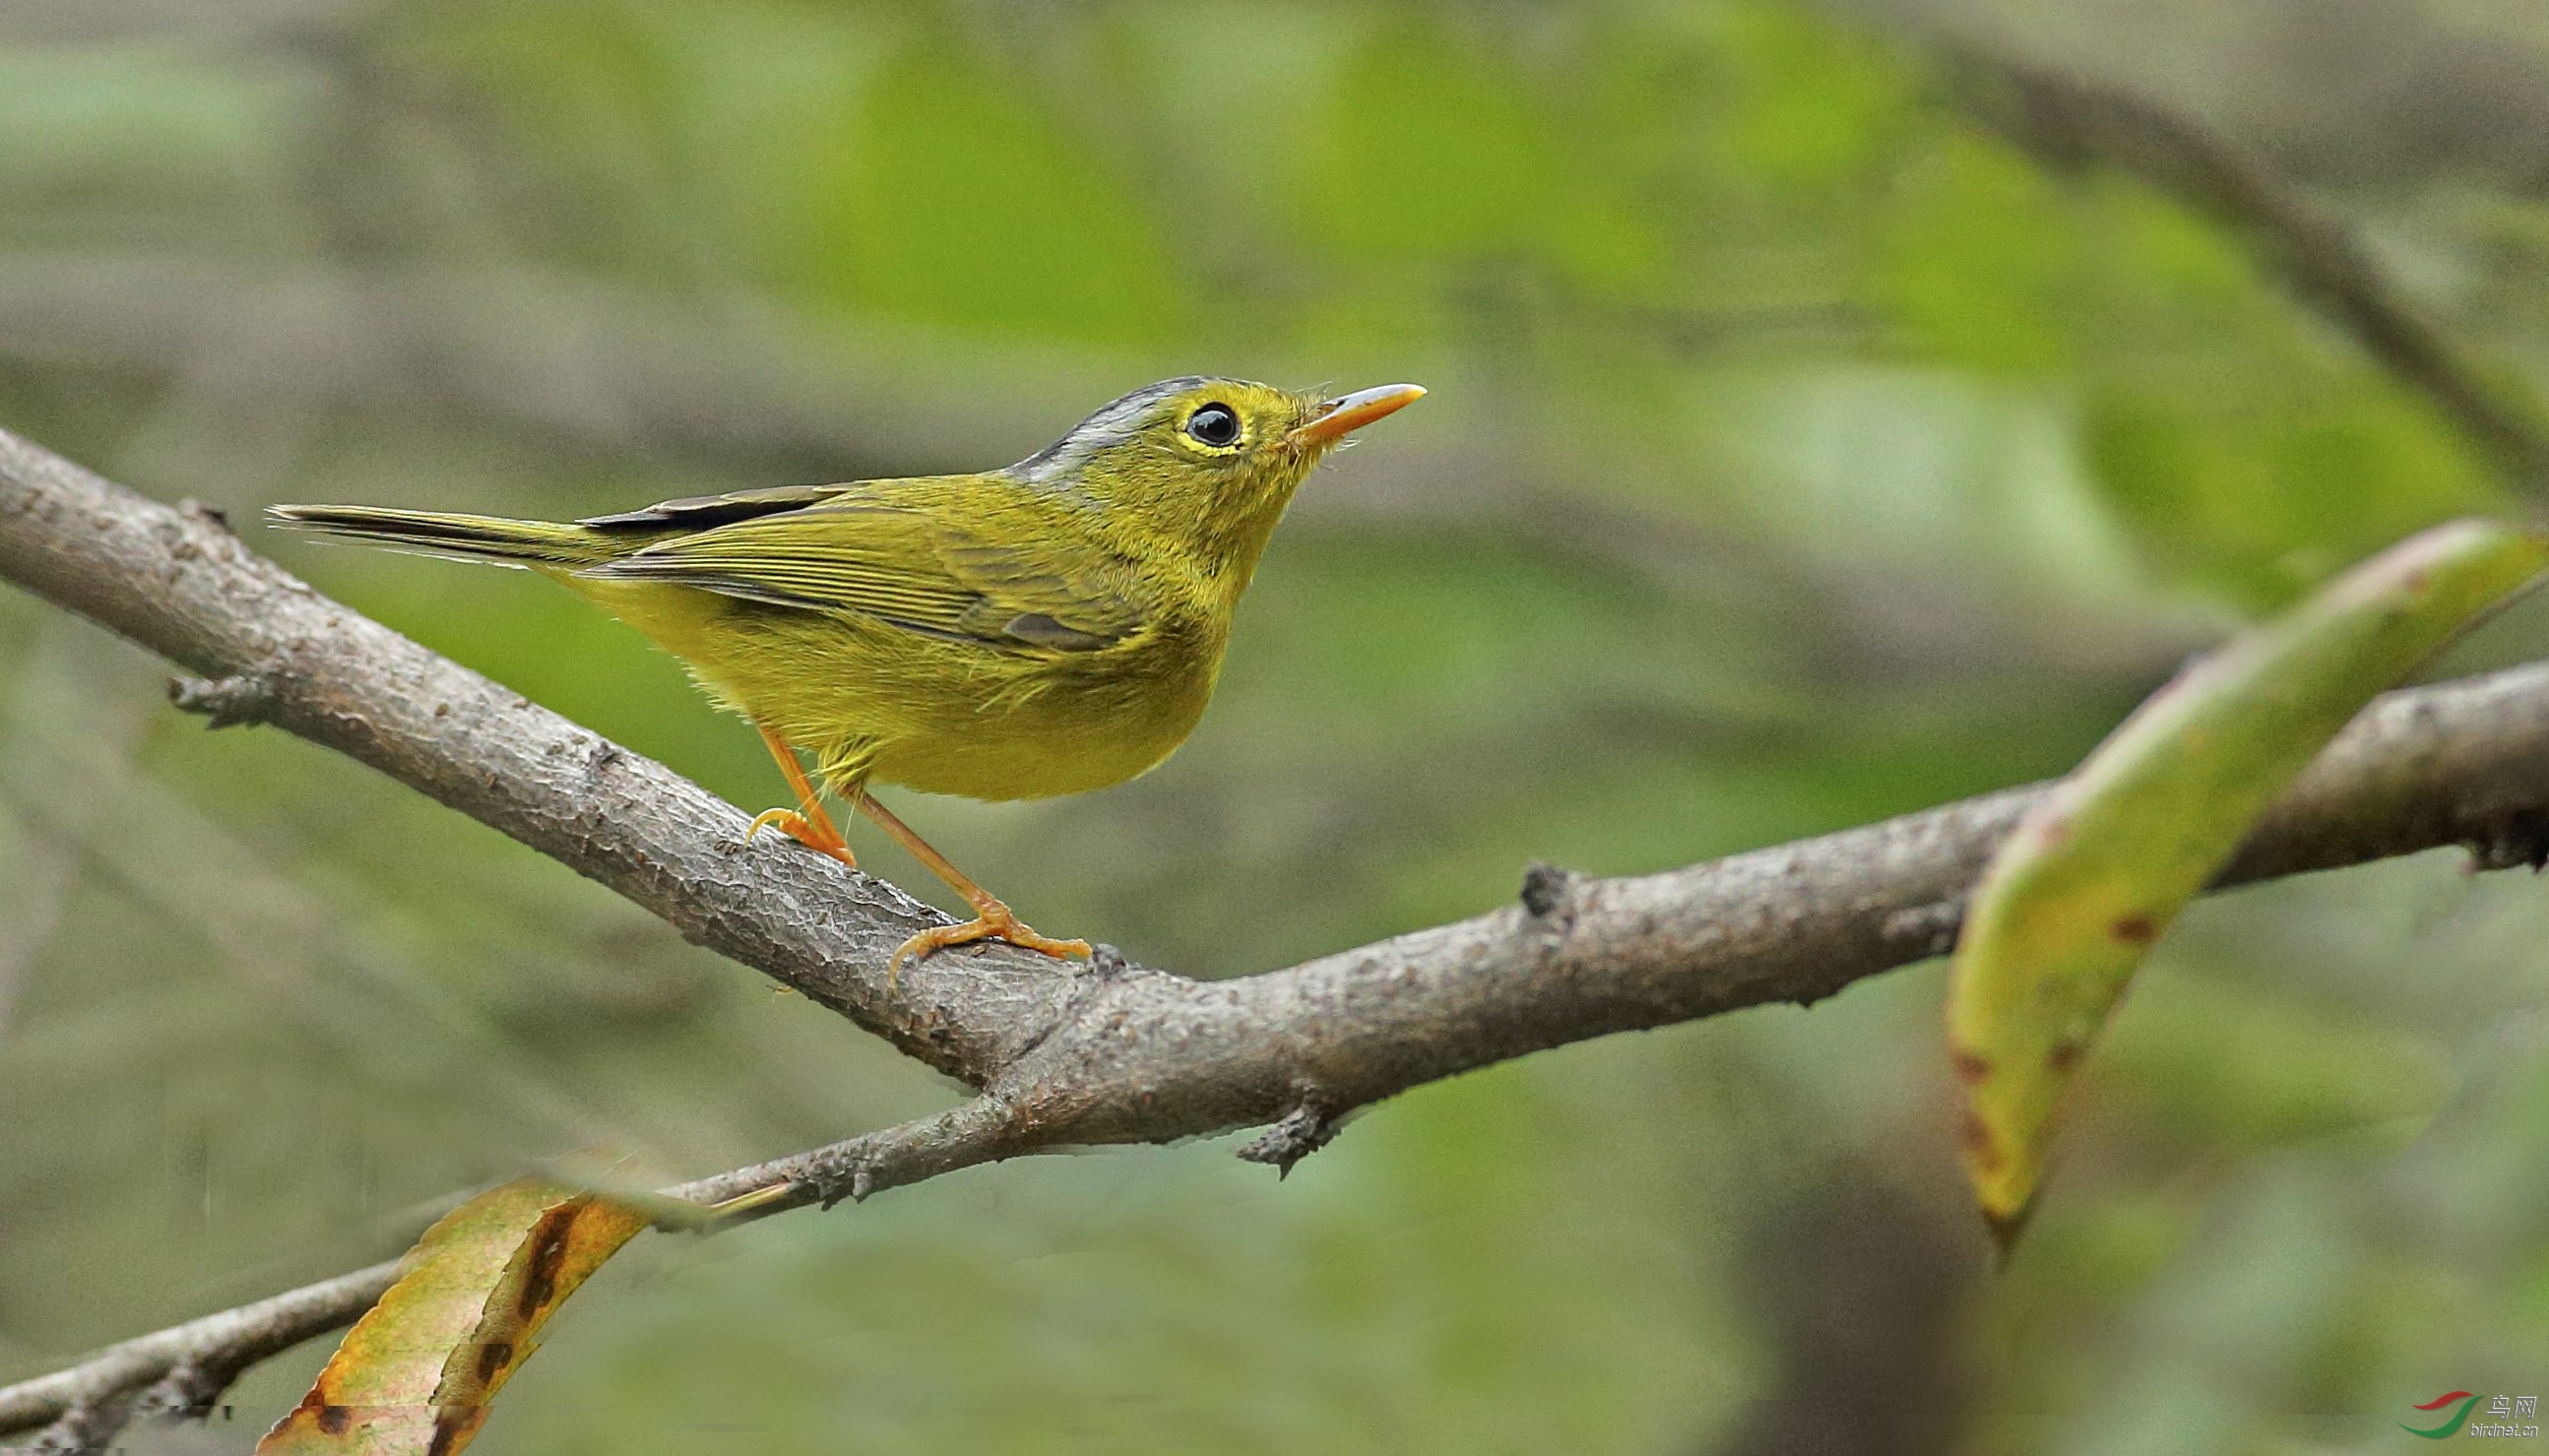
797, 827
995, 922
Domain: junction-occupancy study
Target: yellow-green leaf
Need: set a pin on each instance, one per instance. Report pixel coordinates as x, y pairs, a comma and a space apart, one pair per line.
415, 1374
2071, 903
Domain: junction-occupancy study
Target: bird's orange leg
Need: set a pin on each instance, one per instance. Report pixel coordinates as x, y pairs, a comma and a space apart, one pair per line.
807, 824
993, 921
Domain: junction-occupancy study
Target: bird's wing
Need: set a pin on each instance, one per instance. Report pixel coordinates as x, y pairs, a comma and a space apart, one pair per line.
695, 512
905, 567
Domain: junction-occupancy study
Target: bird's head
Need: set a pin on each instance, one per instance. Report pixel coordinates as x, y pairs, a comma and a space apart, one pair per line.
1210, 462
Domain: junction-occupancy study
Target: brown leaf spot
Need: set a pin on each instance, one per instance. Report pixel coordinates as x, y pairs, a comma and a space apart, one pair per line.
2065, 1054
548, 1250
493, 1357
2135, 929
1979, 1144
333, 1419
2004, 1228
1971, 1066
452, 1429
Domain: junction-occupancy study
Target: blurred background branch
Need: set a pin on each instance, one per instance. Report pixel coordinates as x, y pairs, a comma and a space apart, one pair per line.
2070, 123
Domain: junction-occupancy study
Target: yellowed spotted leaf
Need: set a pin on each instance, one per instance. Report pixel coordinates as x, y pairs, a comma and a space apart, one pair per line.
2070, 905
415, 1374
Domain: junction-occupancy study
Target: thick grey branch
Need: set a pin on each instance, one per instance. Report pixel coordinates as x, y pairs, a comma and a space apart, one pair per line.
1118, 1053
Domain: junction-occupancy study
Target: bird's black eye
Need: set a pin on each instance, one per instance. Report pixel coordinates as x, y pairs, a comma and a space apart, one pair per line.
1214, 425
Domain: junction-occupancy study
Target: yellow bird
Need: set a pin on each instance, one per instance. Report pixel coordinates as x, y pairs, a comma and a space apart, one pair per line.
1044, 629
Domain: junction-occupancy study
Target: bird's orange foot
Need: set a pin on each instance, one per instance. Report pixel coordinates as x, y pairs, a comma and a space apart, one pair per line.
994, 922
797, 827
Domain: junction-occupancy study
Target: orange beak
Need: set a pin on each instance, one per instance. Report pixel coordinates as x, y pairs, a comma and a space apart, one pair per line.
1341, 416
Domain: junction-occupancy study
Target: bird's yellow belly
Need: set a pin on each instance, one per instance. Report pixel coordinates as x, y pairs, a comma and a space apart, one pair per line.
877, 702
1040, 748
1051, 726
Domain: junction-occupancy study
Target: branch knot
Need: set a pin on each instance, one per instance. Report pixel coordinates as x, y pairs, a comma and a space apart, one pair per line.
1932, 927
1548, 893
1306, 1128
192, 1386
2521, 838
242, 698
840, 1172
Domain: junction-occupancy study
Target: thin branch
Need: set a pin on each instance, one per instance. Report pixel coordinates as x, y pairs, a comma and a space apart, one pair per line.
53, 700
253, 1331
182, 1370
344, 987
2070, 120
1119, 1053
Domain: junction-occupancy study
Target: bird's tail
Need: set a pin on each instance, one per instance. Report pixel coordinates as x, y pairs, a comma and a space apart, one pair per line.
436, 533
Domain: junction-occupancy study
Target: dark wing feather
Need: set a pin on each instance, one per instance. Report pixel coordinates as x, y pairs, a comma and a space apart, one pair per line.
907, 567
696, 512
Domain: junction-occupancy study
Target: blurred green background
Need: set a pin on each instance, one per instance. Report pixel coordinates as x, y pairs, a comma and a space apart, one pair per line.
1801, 452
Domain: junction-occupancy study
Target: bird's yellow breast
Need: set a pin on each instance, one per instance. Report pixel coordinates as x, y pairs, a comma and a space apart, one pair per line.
874, 702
